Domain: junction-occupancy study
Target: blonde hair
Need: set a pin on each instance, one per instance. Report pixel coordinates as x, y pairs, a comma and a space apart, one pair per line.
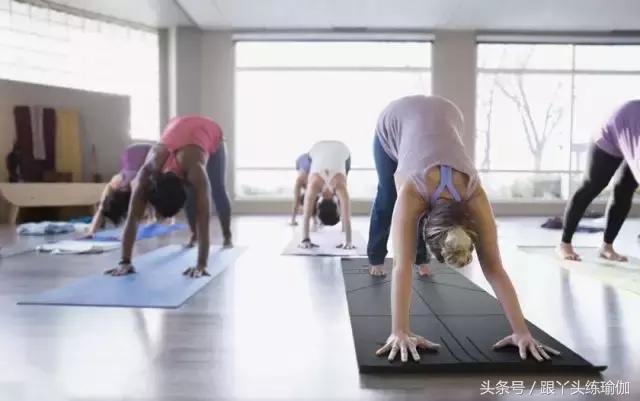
448, 233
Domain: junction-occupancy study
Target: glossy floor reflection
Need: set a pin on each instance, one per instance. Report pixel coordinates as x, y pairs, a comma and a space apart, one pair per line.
276, 327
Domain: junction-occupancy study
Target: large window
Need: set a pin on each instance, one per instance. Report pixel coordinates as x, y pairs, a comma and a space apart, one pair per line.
291, 94
43, 46
538, 105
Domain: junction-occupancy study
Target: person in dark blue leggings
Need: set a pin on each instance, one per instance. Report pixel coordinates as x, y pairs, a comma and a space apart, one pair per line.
381, 213
216, 168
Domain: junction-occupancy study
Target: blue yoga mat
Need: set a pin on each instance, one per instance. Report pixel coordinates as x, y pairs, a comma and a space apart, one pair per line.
158, 283
144, 231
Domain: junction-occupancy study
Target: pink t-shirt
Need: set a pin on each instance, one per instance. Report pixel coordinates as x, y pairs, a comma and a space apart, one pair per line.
189, 130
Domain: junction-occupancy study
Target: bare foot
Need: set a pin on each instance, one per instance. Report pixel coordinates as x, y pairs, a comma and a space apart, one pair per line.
607, 252
565, 251
424, 270
377, 270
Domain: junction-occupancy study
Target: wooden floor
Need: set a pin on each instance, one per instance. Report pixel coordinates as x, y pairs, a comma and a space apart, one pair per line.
276, 327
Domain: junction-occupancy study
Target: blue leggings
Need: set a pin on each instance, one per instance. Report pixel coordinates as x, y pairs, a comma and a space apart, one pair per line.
216, 167
382, 210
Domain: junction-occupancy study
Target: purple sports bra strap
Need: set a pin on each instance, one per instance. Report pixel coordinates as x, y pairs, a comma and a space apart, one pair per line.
446, 182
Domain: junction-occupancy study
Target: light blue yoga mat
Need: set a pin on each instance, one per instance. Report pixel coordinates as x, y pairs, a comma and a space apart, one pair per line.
144, 231
158, 283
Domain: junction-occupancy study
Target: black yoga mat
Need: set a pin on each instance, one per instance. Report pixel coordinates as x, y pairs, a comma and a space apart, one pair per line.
449, 309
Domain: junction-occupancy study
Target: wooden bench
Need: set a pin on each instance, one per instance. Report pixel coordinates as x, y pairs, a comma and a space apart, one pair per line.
24, 195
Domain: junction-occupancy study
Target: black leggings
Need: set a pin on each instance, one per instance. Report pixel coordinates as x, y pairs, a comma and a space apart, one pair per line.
600, 169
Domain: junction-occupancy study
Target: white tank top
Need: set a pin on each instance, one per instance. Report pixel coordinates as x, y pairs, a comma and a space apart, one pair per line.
328, 159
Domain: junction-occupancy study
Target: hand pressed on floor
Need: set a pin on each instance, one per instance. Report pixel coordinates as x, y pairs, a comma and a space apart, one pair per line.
196, 272
406, 343
526, 344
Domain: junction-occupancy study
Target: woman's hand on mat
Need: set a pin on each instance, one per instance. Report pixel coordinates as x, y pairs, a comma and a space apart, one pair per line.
122, 270
196, 272
527, 344
347, 245
87, 236
406, 343
307, 244
293, 222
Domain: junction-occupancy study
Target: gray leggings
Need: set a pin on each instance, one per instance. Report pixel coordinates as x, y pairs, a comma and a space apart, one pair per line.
216, 167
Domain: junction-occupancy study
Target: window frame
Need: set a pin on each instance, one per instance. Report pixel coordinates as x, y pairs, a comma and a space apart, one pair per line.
572, 72
423, 38
54, 25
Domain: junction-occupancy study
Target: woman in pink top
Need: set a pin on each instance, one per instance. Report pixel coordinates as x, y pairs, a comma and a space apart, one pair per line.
187, 164
423, 170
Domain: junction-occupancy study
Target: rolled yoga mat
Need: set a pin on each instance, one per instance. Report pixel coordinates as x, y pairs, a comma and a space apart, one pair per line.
449, 309
49, 132
68, 147
30, 169
158, 283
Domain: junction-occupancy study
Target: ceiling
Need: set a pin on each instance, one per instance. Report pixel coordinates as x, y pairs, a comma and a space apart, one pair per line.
153, 13
550, 15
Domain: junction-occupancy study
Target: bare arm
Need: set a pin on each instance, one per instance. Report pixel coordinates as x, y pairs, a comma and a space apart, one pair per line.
98, 217
136, 212
408, 209
313, 189
139, 187
197, 176
490, 261
139, 199
297, 191
345, 206
193, 227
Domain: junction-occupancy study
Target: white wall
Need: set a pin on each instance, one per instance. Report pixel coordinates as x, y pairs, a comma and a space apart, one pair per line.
454, 76
217, 99
185, 52
104, 120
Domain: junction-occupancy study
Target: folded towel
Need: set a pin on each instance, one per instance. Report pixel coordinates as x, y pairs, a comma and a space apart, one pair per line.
45, 228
